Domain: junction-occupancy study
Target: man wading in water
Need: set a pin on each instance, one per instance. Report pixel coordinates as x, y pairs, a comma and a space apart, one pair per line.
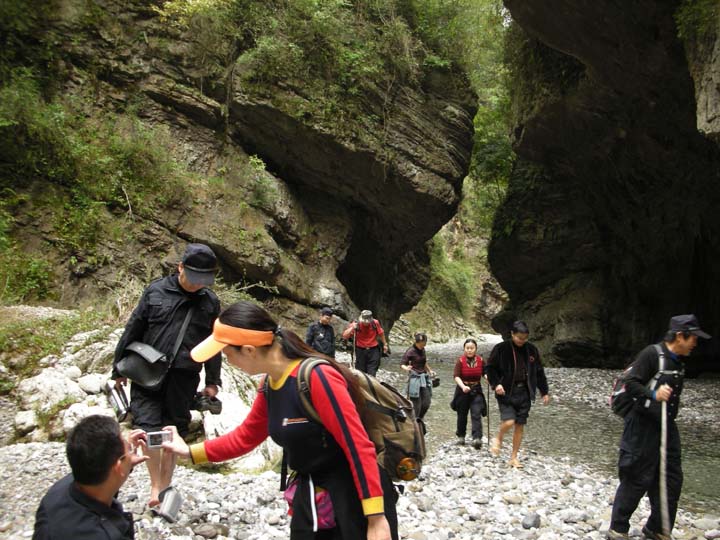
515, 373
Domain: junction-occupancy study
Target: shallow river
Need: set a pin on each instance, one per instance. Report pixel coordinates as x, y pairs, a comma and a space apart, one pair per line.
579, 426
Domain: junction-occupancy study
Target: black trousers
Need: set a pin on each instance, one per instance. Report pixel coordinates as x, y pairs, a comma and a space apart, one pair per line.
474, 403
639, 471
421, 404
367, 360
351, 523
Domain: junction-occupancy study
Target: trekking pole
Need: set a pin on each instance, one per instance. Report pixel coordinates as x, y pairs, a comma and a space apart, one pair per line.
488, 414
352, 356
664, 514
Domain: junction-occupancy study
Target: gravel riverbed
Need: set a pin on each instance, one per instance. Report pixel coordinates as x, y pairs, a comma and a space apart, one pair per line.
462, 494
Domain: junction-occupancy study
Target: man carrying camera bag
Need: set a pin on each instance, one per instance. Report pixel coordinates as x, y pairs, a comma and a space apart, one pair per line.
175, 313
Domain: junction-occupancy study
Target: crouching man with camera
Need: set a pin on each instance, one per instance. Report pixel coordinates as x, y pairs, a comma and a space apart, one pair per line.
82, 506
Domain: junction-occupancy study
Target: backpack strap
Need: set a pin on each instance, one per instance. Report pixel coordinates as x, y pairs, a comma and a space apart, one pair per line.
303, 382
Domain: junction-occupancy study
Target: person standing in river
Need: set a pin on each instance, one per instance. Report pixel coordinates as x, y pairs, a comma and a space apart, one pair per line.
515, 373
419, 389
639, 457
469, 396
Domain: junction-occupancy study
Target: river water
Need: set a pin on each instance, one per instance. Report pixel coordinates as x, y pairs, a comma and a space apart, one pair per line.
579, 426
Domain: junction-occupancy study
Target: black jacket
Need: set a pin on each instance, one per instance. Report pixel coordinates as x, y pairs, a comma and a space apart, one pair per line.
501, 367
66, 512
644, 368
158, 317
321, 337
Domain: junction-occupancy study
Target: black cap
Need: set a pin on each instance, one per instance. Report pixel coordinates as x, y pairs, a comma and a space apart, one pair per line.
519, 327
420, 336
326, 311
200, 264
687, 323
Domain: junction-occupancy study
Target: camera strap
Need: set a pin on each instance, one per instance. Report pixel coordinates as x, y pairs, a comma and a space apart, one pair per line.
181, 335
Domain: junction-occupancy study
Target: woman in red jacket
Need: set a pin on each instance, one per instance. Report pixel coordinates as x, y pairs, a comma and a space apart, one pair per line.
335, 458
469, 396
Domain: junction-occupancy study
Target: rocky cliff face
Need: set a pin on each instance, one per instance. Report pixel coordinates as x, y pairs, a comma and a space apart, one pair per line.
609, 227
339, 220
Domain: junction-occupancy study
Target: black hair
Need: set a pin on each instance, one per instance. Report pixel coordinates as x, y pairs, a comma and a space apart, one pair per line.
252, 317
470, 340
519, 327
92, 447
672, 334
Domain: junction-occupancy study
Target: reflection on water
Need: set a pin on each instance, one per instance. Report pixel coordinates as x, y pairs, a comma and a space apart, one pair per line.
585, 434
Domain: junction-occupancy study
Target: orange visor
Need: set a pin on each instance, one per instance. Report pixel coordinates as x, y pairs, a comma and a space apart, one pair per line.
224, 335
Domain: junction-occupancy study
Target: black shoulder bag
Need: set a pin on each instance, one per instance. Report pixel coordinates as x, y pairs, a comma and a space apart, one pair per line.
145, 365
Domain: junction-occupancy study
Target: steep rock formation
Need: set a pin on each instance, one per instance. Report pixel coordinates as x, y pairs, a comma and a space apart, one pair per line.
334, 220
609, 225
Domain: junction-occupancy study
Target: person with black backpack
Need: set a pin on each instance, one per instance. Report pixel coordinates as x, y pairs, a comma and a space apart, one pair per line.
641, 445
338, 491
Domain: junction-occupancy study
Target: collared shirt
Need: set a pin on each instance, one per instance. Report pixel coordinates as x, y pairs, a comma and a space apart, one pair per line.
66, 513
416, 358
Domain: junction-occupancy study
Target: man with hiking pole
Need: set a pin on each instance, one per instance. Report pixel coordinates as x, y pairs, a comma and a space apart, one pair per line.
366, 334
649, 460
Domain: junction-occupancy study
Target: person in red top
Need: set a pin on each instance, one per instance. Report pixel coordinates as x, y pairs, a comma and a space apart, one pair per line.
335, 456
366, 334
469, 396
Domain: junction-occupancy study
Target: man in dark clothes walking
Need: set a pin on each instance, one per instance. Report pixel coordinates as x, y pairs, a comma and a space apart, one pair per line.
515, 373
158, 320
321, 335
639, 460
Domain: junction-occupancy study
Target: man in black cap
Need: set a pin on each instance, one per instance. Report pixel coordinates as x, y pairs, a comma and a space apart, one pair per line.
157, 321
656, 375
321, 335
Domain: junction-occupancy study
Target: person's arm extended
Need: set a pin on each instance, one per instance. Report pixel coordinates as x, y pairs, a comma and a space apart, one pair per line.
240, 441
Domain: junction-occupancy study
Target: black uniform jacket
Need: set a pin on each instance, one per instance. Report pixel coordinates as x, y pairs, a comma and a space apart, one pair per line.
158, 318
321, 337
67, 513
501, 367
644, 368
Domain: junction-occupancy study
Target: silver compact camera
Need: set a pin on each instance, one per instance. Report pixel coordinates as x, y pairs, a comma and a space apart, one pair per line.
156, 438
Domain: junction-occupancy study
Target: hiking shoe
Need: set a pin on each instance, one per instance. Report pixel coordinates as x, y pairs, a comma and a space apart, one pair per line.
477, 444
650, 535
461, 441
614, 535
495, 447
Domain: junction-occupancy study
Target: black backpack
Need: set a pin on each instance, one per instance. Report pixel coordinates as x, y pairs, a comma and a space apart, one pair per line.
388, 418
620, 400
